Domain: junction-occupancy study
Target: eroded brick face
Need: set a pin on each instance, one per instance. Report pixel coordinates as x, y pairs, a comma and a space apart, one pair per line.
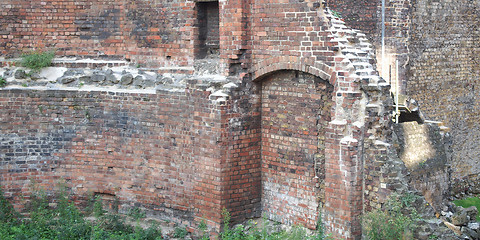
156, 150
362, 15
142, 31
295, 110
184, 154
444, 61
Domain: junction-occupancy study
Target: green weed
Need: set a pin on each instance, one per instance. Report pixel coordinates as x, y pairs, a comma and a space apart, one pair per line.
266, 231
395, 221
3, 82
98, 207
180, 232
204, 230
65, 221
7, 212
468, 202
136, 213
37, 60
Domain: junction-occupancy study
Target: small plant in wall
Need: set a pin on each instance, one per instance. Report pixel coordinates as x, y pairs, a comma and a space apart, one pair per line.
396, 220
336, 14
180, 232
37, 60
3, 82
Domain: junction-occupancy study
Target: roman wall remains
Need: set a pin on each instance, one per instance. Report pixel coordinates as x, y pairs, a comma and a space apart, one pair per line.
443, 72
434, 43
258, 107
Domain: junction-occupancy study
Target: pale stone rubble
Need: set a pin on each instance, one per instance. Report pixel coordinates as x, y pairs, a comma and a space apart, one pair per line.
462, 221
124, 78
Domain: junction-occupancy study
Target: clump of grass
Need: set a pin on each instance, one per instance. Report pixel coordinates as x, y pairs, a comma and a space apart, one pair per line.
336, 14
3, 82
136, 213
395, 221
180, 232
468, 202
265, 232
37, 60
65, 221
7, 212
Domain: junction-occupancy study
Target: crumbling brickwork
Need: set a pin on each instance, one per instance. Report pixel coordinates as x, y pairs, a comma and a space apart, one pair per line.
444, 74
435, 45
362, 15
158, 150
291, 123
296, 109
141, 31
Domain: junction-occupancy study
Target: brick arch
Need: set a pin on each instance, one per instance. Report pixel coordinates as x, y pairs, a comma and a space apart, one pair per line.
342, 203
308, 65
296, 111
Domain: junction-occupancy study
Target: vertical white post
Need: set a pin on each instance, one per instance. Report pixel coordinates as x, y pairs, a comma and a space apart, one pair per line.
383, 42
397, 112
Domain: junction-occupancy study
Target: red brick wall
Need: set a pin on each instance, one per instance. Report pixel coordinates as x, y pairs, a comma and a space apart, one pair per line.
256, 39
242, 136
262, 38
362, 15
288, 29
296, 108
142, 31
159, 150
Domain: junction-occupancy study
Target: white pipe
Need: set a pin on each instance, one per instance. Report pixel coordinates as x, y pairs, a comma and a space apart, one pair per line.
383, 41
397, 112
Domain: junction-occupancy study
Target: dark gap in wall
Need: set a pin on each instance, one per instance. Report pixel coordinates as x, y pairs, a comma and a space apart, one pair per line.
413, 116
208, 19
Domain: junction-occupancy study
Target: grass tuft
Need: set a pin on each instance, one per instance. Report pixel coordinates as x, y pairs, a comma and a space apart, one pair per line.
3, 82
468, 202
37, 60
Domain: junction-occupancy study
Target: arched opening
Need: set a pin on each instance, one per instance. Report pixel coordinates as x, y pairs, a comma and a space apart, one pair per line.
296, 108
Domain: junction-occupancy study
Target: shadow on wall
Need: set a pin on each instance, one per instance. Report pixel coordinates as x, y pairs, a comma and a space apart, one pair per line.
421, 147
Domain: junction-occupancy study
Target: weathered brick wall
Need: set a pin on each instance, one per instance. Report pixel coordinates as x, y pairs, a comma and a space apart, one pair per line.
366, 15
301, 36
242, 135
143, 31
444, 74
158, 150
257, 39
282, 29
296, 109
435, 45
421, 147
362, 15
380, 161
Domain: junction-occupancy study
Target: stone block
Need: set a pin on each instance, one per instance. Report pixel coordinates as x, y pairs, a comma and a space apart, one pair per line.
460, 218
20, 74
126, 79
